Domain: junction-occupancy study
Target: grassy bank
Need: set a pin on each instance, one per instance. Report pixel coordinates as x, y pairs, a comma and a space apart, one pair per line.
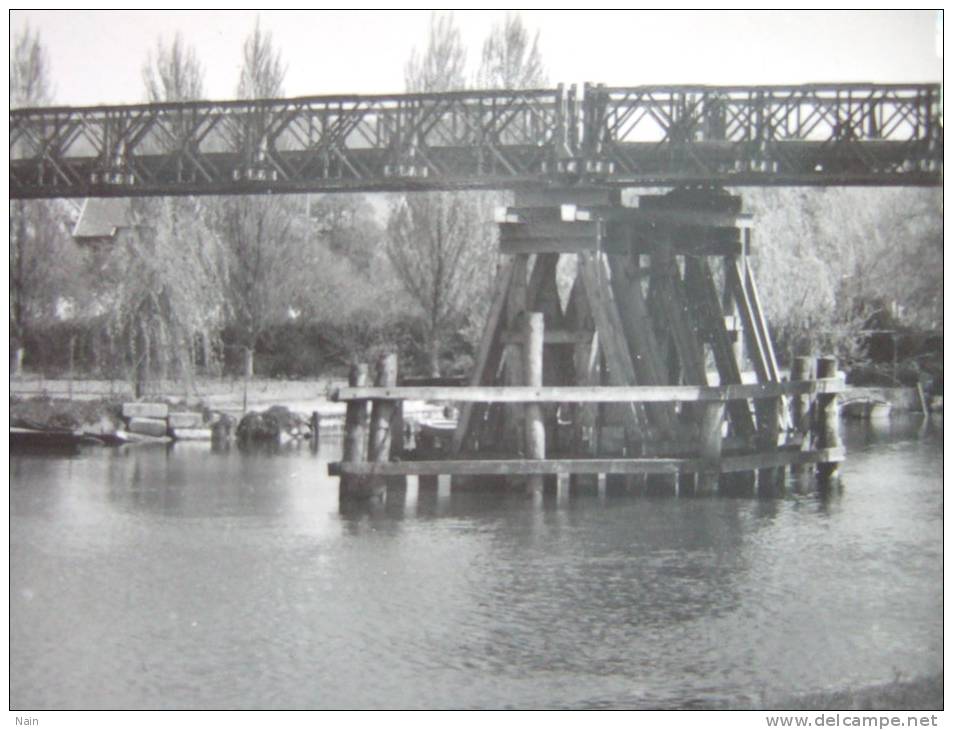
88, 414
921, 694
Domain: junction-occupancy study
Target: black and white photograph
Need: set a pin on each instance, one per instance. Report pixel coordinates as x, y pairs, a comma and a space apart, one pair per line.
476, 360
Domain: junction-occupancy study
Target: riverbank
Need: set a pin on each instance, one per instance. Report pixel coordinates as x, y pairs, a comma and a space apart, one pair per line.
920, 694
87, 403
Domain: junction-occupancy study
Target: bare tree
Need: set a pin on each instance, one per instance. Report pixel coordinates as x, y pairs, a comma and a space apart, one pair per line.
29, 71
173, 72
263, 71
442, 66
511, 60
438, 244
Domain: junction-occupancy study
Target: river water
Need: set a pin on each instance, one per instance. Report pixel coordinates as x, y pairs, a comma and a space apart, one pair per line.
180, 578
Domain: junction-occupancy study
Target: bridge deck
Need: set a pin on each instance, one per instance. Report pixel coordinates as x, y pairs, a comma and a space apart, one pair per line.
833, 134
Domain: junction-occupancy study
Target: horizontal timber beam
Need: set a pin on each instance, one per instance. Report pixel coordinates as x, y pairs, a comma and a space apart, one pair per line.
551, 337
624, 214
744, 462
598, 394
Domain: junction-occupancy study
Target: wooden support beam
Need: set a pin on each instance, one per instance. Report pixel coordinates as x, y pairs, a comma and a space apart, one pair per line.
710, 437
503, 467
639, 335
547, 230
684, 240
802, 369
355, 435
710, 319
738, 280
517, 304
535, 429
827, 427
760, 321
541, 237
547, 245
644, 215
674, 304
539, 197
553, 337
489, 351
585, 360
594, 394
542, 295
605, 313
382, 416
718, 201
741, 284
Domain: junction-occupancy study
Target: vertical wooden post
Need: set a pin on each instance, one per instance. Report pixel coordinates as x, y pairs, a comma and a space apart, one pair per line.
535, 430
382, 416
827, 422
802, 369
770, 479
730, 307
585, 365
72, 354
712, 415
315, 430
355, 433
583, 484
513, 357
397, 429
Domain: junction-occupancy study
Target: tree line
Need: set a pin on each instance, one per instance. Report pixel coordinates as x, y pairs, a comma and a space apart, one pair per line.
294, 285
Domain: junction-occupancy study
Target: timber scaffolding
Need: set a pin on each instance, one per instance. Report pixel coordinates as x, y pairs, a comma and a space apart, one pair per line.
613, 379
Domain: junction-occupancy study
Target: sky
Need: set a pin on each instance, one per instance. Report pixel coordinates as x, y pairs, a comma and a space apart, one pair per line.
97, 56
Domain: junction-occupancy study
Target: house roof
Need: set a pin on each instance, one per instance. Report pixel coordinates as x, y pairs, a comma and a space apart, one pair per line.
101, 218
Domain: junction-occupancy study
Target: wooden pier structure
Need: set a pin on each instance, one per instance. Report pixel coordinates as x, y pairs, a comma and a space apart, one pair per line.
635, 372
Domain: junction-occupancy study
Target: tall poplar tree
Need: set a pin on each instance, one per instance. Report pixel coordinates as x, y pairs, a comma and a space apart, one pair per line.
263, 234
440, 244
44, 266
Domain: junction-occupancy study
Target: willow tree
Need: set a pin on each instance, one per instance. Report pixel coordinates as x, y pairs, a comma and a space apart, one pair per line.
160, 279
440, 244
830, 263
44, 266
173, 73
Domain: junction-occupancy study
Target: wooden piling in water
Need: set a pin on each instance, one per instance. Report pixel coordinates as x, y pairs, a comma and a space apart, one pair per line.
706, 482
382, 419
583, 484
355, 434
315, 430
534, 426
802, 369
827, 422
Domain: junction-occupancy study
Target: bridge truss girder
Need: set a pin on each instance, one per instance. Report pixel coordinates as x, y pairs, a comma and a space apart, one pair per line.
846, 134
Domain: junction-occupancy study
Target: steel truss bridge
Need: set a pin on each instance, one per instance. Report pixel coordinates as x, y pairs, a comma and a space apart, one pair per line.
827, 134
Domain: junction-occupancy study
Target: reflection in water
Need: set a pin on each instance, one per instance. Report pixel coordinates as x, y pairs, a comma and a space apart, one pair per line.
186, 577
